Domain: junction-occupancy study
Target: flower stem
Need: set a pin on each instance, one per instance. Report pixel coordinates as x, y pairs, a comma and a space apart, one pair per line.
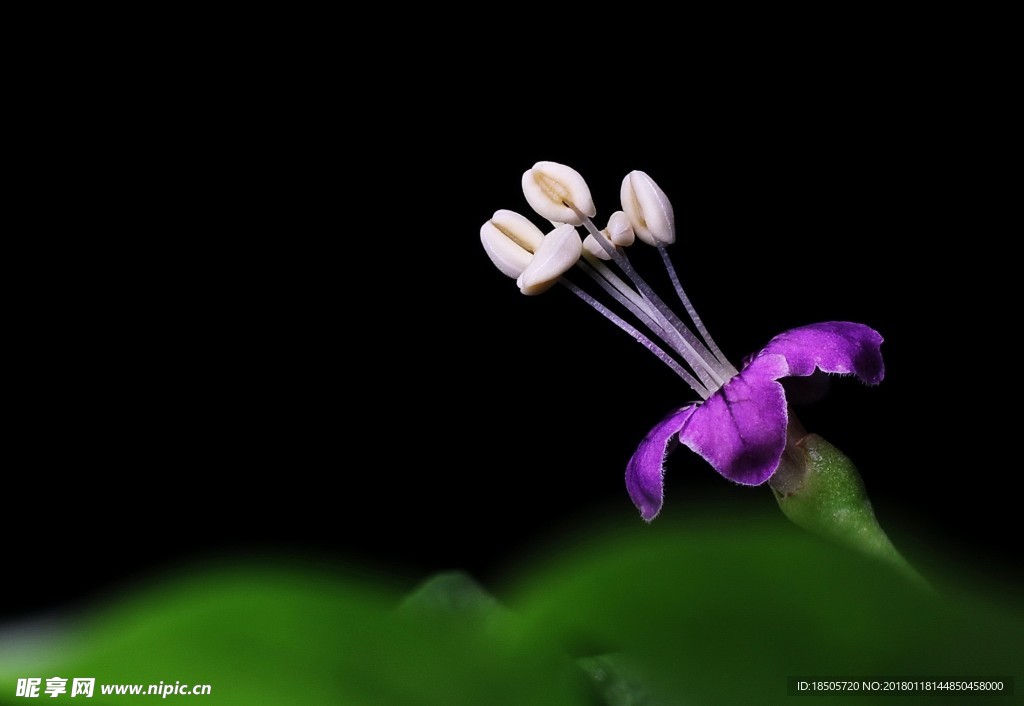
819, 489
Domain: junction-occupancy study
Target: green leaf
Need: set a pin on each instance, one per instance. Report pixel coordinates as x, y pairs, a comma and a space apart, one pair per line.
716, 610
616, 684
724, 610
275, 634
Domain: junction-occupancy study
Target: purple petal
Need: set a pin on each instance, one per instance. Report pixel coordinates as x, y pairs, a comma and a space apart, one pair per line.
834, 347
645, 471
741, 429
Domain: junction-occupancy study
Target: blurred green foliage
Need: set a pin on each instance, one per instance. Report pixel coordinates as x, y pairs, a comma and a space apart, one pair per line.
705, 612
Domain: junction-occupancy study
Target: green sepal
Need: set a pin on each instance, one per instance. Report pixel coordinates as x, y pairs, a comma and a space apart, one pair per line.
829, 500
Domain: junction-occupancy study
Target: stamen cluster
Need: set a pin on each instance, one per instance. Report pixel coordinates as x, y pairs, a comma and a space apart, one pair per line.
537, 262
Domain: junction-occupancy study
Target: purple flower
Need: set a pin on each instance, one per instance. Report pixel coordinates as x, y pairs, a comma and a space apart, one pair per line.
741, 428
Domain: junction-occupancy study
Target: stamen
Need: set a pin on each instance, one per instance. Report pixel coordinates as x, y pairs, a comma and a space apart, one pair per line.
548, 186
615, 281
640, 338
648, 209
692, 313
635, 305
661, 312
641, 309
559, 251
510, 240
560, 194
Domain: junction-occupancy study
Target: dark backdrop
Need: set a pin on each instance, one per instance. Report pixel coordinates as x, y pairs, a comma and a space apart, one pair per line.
283, 334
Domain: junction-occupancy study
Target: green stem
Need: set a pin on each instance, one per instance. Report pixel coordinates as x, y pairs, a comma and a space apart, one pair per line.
819, 489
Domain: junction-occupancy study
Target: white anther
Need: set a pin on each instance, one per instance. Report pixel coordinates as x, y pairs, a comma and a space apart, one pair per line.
618, 232
592, 247
560, 250
510, 240
649, 209
550, 186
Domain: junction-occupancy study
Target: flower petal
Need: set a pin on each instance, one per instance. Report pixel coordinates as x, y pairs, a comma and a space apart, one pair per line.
834, 347
741, 429
646, 470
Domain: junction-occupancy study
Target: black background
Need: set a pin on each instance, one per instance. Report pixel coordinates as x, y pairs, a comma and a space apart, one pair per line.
279, 332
